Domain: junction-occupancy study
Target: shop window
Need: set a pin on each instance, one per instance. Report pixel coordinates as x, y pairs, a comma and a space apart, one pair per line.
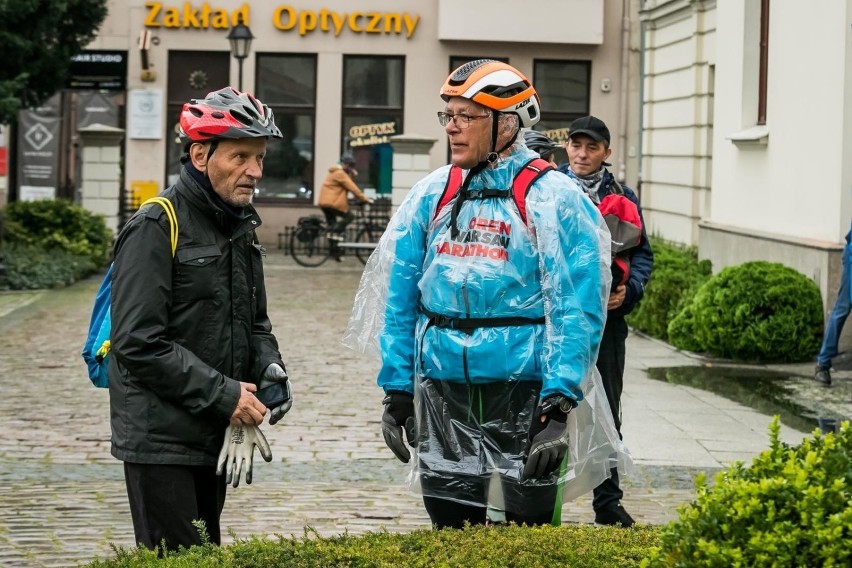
373, 98
287, 83
192, 74
564, 90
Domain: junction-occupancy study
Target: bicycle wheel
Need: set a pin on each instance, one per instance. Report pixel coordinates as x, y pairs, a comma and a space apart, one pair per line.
365, 236
309, 248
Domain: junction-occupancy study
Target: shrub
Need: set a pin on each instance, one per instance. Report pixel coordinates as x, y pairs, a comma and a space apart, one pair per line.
30, 267
790, 508
757, 311
58, 225
676, 276
519, 547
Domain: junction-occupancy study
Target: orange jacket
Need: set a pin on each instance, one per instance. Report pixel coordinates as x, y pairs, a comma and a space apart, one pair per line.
334, 188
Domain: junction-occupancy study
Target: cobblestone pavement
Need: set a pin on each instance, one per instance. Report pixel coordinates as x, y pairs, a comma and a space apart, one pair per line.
62, 496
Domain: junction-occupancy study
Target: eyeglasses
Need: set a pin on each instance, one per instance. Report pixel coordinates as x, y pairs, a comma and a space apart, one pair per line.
459, 120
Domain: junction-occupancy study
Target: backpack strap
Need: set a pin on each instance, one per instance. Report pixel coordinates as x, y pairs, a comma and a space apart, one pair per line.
523, 181
170, 213
454, 182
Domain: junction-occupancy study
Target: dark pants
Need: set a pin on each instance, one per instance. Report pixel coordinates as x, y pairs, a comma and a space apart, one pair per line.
611, 367
337, 220
165, 499
464, 427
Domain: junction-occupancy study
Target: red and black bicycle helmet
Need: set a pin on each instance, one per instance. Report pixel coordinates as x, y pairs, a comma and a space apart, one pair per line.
226, 113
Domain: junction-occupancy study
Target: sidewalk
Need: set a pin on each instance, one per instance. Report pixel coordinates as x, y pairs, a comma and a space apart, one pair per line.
62, 496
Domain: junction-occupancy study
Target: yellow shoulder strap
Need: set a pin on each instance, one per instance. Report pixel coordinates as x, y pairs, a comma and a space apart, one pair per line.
170, 213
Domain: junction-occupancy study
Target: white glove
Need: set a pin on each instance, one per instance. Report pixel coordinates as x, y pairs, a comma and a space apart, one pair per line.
275, 374
238, 452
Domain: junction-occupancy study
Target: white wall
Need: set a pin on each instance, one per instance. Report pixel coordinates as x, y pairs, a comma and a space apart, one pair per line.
798, 184
679, 52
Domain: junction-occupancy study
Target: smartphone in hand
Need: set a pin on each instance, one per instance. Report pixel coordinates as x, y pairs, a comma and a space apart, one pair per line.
274, 395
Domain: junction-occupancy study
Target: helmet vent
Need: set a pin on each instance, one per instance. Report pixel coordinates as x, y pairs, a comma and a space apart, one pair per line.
196, 111
217, 114
462, 73
241, 117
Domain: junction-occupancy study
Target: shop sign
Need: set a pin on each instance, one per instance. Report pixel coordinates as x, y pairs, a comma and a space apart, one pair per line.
38, 151
145, 114
371, 134
98, 70
285, 18
559, 135
188, 16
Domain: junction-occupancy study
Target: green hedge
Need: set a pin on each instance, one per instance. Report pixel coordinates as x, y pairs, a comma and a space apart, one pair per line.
791, 507
30, 267
676, 276
756, 311
484, 547
50, 243
58, 225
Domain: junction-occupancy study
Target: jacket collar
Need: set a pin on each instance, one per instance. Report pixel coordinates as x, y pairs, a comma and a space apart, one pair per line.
202, 199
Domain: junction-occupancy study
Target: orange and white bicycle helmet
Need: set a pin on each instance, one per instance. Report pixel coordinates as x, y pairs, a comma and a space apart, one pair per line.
226, 113
495, 85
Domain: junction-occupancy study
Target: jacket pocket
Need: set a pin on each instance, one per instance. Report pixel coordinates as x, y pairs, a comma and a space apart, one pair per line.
195, 272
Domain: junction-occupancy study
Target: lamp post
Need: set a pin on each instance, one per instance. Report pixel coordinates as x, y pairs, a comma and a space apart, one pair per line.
240, 38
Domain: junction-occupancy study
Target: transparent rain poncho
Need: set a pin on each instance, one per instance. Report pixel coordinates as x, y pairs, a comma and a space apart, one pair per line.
475, 391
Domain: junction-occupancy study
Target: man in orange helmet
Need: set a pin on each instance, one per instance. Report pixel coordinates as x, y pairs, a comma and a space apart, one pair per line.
486, 299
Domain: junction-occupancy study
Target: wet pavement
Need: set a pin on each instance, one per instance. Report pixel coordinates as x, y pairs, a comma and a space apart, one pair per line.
62, 496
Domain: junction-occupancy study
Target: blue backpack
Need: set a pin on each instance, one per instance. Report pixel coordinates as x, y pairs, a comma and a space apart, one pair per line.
97, 347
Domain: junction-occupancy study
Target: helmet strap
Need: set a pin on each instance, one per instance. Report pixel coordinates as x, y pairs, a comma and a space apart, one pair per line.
461, 197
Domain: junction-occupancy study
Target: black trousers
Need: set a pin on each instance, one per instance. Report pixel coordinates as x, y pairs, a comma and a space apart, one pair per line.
611, 367
165, 499
337, 220
460, 421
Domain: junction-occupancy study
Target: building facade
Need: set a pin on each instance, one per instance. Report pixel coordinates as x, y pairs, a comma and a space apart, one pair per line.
346, 76
747, 118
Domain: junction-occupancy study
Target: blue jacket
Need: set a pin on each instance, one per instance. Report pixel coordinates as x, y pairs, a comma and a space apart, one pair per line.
555, 266
641, 257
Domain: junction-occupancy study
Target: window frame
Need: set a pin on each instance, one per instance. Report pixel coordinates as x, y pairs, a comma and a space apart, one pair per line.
280, 110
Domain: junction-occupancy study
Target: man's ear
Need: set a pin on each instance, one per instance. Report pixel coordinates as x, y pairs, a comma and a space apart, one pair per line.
198, 154
608, 153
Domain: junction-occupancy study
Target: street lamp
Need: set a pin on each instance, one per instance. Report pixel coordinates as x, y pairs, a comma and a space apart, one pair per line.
240, 38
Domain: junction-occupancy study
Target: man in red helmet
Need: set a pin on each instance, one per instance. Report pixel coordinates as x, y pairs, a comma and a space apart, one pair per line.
191, 340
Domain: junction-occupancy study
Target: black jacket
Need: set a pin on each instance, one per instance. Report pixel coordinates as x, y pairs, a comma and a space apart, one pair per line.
184, 330
641, 256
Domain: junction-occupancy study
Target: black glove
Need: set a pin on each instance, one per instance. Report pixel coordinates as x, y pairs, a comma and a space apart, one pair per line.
548, 440
399, 414
274, 373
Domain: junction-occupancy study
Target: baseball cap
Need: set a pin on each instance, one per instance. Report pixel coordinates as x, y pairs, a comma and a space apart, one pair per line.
590, 126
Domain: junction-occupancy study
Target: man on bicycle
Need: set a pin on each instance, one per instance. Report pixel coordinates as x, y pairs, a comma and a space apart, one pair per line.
334, 200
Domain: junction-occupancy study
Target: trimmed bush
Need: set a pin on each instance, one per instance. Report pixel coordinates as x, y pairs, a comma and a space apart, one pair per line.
484, 547
756, 311
676, 276
791, 507
58, 225
30, 267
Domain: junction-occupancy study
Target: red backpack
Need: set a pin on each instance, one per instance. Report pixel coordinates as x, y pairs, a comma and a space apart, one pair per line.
524, 179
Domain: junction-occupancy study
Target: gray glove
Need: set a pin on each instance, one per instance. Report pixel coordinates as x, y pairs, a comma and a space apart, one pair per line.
274, 373
399, 414
237, 453
548, 440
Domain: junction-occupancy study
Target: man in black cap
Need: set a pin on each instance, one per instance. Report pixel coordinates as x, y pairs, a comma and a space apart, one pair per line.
588, 149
